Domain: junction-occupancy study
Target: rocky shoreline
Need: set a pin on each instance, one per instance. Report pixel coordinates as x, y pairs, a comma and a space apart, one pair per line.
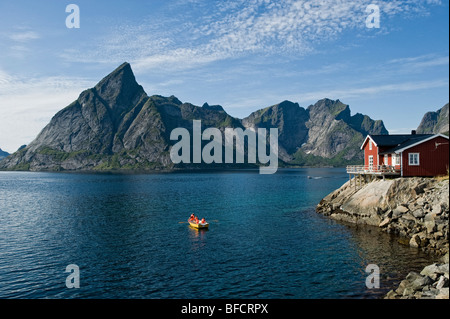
416, 209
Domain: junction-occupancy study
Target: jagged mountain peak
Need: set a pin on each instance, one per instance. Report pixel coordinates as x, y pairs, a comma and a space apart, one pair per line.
122, 73
336, 108
287, 105
119, 89
219, 108
116, 125
435, 122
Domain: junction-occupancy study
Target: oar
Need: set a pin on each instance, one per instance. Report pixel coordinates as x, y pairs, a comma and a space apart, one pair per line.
214, 221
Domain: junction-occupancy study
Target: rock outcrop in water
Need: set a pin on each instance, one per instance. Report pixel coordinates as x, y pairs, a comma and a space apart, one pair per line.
416, 209
430, 283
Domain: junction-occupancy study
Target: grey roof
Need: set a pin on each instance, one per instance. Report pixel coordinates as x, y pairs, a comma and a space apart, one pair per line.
397, 142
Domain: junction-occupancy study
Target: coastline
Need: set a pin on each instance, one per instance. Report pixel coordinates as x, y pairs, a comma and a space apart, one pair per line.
416, 210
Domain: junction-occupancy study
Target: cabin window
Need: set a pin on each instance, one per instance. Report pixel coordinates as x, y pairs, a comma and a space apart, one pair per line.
386, 159
370, 162
397, 159
370, 145
413, 159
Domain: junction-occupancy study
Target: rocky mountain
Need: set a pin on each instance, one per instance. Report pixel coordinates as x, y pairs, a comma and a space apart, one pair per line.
116, 125
325, 133
435, 122
3, 154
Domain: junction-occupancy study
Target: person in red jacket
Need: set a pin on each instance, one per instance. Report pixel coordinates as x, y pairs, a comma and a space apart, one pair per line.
203, 221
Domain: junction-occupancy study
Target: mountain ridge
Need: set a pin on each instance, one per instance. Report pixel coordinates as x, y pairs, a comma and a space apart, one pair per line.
435, 122
116, 126
3, 154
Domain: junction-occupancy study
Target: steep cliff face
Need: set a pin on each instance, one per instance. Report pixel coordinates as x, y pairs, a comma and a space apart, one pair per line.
435, 122
116, 125
289, 118
3, 154
333, 132
324, 133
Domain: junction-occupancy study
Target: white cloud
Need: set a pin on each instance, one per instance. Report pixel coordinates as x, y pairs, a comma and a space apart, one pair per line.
260, 26
27, 105
307, 97
418, 62
199, 34
24, 36
371, 90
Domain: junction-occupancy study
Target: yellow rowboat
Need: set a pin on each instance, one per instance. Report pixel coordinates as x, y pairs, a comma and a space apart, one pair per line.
199, 225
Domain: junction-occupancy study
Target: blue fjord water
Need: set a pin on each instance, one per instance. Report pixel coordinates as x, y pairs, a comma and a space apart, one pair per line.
128, 235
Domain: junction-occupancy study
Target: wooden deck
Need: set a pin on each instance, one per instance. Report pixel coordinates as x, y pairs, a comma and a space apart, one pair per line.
362, 174
381, 170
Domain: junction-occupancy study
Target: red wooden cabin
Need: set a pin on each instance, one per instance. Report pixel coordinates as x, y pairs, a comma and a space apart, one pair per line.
405, 155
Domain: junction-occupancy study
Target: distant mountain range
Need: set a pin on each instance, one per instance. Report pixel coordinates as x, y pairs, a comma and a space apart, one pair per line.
3, 154
117, 126
435, 122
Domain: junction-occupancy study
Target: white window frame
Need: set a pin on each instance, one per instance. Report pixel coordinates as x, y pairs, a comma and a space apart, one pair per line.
371, 162
370, 144
413, 159
397, 159
386, 159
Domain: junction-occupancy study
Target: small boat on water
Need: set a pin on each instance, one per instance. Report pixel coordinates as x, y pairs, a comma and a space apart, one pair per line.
199, 225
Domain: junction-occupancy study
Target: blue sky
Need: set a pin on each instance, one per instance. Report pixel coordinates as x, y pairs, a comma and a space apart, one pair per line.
243, 55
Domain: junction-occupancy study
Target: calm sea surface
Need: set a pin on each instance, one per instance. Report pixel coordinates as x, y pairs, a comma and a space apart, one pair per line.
128, 235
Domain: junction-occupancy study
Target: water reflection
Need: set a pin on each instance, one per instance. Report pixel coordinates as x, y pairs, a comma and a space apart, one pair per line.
394, 260
124, 233
197, 238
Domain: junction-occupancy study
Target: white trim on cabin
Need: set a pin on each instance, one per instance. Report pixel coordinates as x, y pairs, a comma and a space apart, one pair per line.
401, 164
420, 142
414, 159
368, 136
396, 160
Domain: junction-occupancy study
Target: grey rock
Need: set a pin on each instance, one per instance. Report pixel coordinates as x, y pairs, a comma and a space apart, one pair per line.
116, 125
435, 122
434, 270
419, 283
443, 293
442, 282
437, 209
418, 213
399, 211
415, 241
385, 222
